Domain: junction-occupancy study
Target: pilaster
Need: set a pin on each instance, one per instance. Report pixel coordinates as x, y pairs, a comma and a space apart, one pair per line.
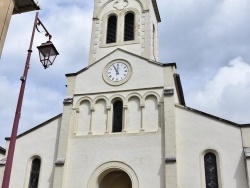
61, 160
169, 128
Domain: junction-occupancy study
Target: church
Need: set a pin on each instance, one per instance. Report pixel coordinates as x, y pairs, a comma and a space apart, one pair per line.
125, 123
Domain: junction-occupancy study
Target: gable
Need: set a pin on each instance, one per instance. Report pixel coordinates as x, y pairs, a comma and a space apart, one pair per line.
144, 74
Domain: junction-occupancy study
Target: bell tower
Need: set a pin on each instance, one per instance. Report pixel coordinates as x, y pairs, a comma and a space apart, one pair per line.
131, 25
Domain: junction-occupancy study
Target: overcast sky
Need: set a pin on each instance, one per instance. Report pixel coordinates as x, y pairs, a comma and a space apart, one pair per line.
208, 39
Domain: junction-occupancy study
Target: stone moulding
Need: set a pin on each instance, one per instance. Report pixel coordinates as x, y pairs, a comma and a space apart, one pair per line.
60, 162
171, 159
3, 162
168, 91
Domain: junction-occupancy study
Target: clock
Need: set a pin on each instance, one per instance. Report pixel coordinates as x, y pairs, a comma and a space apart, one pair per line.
117, 72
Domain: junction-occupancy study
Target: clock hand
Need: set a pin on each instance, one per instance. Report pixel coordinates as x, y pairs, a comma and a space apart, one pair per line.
116, 70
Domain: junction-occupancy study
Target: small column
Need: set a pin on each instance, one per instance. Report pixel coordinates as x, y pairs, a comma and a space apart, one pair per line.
76, 118
124, 127
108, 120
142, 118
91, 121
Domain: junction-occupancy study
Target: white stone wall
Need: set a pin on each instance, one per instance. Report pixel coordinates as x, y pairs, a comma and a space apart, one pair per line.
144, 19
144, 75
142, 152
93, 113
41, 142
197, 133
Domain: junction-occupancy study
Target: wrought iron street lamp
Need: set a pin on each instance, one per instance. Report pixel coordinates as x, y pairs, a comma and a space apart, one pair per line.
48, 54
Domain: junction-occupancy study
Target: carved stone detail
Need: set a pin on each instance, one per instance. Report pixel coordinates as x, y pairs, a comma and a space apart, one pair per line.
120, 4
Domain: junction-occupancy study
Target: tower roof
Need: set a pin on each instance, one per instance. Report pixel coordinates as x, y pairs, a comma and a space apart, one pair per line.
22, 6
157, 13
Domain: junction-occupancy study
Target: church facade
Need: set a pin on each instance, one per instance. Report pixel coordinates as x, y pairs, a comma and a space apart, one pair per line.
125, 123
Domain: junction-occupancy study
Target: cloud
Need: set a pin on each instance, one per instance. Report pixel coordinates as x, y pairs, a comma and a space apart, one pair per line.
40, 104
227, 94
202, 36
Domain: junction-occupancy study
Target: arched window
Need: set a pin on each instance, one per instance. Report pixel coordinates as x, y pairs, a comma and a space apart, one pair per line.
211, 174
117, 116
129, 27
34, 173
111, 29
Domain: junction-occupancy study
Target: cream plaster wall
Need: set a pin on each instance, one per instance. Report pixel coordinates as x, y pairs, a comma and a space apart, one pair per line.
142, 152
197, 133
245, 136
42, 142
6, 9
145, 74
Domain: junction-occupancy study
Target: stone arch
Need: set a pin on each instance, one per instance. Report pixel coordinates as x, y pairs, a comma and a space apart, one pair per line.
148, 94
114, 97
133, 117
98, 13
99, 115
78, 103
101, 97
84, 108
108, 167
133, 95
151, 112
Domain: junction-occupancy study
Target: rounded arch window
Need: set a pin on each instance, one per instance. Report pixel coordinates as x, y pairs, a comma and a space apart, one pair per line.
129, 27
211, 173
115, 179
34, 173
111, 29
117, 116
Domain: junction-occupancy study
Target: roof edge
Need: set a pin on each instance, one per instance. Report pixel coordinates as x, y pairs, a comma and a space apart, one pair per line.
36, 127
157, 13
22, 6
2, 150
125, 51
209, 115
179, 89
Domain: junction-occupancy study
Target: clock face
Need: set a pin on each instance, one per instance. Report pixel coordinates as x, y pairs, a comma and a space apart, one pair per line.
117, 71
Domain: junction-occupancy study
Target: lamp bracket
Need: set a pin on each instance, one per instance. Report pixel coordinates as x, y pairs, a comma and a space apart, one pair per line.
39, 23
22, 78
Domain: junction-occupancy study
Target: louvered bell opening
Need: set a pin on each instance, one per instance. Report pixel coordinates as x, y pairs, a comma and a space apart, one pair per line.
129, 27
111, 30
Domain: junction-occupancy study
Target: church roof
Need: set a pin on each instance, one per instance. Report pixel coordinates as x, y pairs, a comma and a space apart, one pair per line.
156, 10
119, 49
36, 127
2, 150
22, 6
210, 116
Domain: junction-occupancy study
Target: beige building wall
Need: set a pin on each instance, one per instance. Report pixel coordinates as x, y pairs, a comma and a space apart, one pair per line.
6, 10
198, 134
42, 143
